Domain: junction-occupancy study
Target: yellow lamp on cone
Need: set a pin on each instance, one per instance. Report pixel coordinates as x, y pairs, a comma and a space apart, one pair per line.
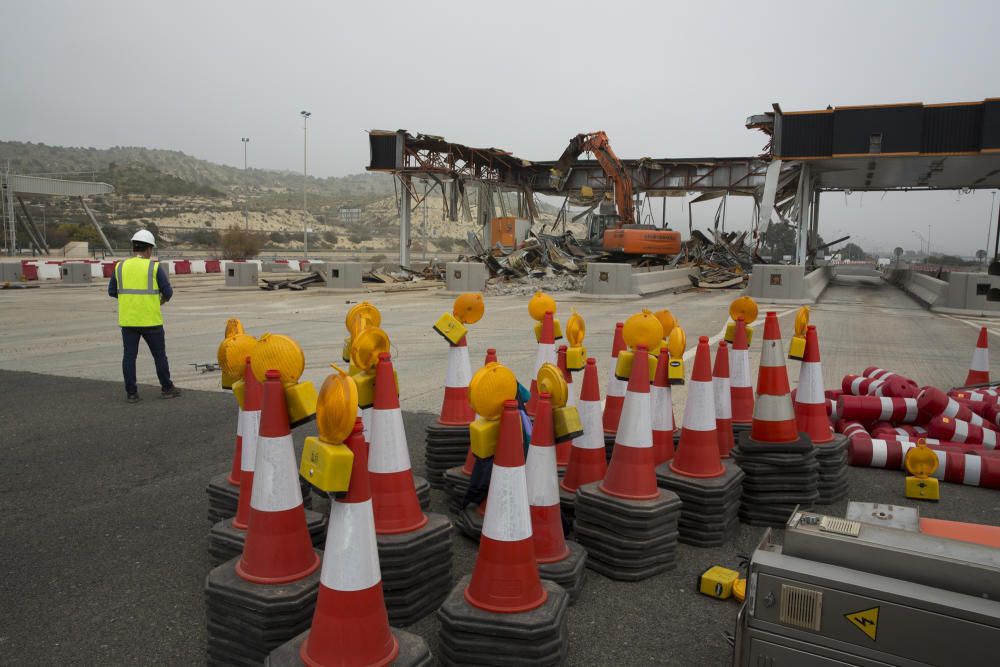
283, 354
467, 309
746, 308
566, 423
326, 460
921, 462
232, 356
491, 386
642, 329
797, 348
576, 353
675, 347
540, 304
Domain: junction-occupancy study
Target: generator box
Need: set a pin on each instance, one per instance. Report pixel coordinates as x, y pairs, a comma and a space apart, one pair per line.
242, 274
75, 273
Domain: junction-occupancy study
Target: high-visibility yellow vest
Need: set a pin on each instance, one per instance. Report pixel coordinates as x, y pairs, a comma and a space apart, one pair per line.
138, 293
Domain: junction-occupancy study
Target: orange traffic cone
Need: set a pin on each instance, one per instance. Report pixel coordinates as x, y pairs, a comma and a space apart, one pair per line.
615, 395
810, 401
723, 399
543, 487
631, 473
455, 409
979, 369
698, 450
350, 625
773, 415
234, 469
740, 387
250, 416
545, 354
563, 448
505, 578
587, 460
663, 410
394, 497
278, 548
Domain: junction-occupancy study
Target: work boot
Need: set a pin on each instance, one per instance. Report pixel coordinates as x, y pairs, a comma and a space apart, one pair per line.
170, 392
132, 398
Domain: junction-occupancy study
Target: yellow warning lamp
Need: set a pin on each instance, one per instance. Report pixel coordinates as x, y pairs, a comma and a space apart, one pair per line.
566, 423
676, 344
797, 348
233, 327
642, 329
365, 351
921, 461
232, 356
281, 353
468, 309
540, 304
740, 590
360, 317
718, 582
326, 460
746, 308
491, 386
576, 353
667, 320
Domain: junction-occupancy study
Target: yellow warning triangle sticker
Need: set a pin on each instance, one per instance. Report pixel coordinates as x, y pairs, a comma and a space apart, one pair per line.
865, 620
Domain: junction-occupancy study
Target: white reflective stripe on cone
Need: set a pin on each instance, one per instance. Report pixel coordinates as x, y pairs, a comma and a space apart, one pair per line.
980, 360
542, 480
593, 426
951, 409
635, 428
976, 419
239, 423
887, 408
961, 431
879, 453
508, 518
856, 385
773, 408
545, 354
699, 410
662, 407
388, 451
459, 371
942, 462
911, 409
810, 388
251, 427
366, 423
772, 354
276, 476
875, 387
616, 387
989, 439
739, 371
876, 373
723, 400
973, 468
350, 557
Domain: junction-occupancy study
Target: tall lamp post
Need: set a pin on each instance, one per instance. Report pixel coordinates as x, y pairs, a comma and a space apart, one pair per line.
305, 210
246, 186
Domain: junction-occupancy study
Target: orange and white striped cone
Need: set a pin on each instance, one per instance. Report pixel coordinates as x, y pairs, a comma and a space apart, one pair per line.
850, 428
234, 470
587, 460
698, 450
810, 401
959, 430
661, 400
563, 449
979, 369
455, 408
544, 354
250, 416
895, 385
631, 473
350, 625
505, 578
859, 385
932, 402
740, 386
393, 494
877, 408
723, 400
543, 487
278, 548
773, 415
984, 394
615, 392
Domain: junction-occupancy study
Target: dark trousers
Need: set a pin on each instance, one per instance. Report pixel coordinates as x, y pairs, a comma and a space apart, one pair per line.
156, 339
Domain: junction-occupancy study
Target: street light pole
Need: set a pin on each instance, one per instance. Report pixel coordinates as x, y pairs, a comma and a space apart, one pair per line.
305, 210
246, 186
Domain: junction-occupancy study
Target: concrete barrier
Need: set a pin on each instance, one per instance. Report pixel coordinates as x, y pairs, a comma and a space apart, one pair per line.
606, 280
816, 281
465, 277
787, 284
341, 275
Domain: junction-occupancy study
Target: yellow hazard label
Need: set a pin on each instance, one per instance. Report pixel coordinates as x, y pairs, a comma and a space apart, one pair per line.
865, 620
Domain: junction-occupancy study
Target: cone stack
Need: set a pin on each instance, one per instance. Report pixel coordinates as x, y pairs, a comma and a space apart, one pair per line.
545, 353
615, 394
740, 387
723, 400
979, 368
587, 462
447, 439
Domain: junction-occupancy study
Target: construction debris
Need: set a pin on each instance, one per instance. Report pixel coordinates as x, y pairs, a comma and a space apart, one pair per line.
723, 262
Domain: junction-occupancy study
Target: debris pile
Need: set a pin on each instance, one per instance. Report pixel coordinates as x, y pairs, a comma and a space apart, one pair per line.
723, 262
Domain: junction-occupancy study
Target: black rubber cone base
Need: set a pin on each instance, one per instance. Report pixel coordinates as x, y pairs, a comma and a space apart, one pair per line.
469, 522
473, 636
748, 444
569, 572
226, 542
416, 569
413, 651
223, 498
567, 502
455, 483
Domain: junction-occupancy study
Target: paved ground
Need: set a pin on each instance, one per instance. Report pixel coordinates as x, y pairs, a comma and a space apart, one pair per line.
103, 503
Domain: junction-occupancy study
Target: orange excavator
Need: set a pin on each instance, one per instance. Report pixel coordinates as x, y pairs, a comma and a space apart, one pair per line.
616, 230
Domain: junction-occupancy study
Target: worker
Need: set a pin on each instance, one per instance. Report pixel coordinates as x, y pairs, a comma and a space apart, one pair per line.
141, 286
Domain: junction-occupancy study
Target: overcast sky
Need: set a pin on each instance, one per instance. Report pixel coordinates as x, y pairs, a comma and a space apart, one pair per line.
664, 79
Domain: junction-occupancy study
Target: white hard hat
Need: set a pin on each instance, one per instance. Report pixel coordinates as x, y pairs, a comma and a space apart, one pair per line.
144, 236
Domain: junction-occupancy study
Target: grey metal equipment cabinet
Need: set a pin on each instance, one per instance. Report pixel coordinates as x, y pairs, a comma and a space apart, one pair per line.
242, 274
869, 590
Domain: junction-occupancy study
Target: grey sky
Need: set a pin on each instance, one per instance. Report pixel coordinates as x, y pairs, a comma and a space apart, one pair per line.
663, 79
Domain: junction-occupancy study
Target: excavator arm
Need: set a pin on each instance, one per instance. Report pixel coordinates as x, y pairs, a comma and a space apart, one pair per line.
598, 144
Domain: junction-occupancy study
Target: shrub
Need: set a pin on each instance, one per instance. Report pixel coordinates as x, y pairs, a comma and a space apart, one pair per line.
239, 244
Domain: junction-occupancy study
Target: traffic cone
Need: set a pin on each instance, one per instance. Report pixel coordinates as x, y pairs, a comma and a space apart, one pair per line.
872, 408
979, 369
723, 399
545, 354
543, 487
958, 430
698, 450
393, 494
505, 578
563, 449
250, 415
631, 474
810, 402
455, 408
615, 394
773, 415
234, 468
740, 387
470, 458
277, 548
663, 410
587, 461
